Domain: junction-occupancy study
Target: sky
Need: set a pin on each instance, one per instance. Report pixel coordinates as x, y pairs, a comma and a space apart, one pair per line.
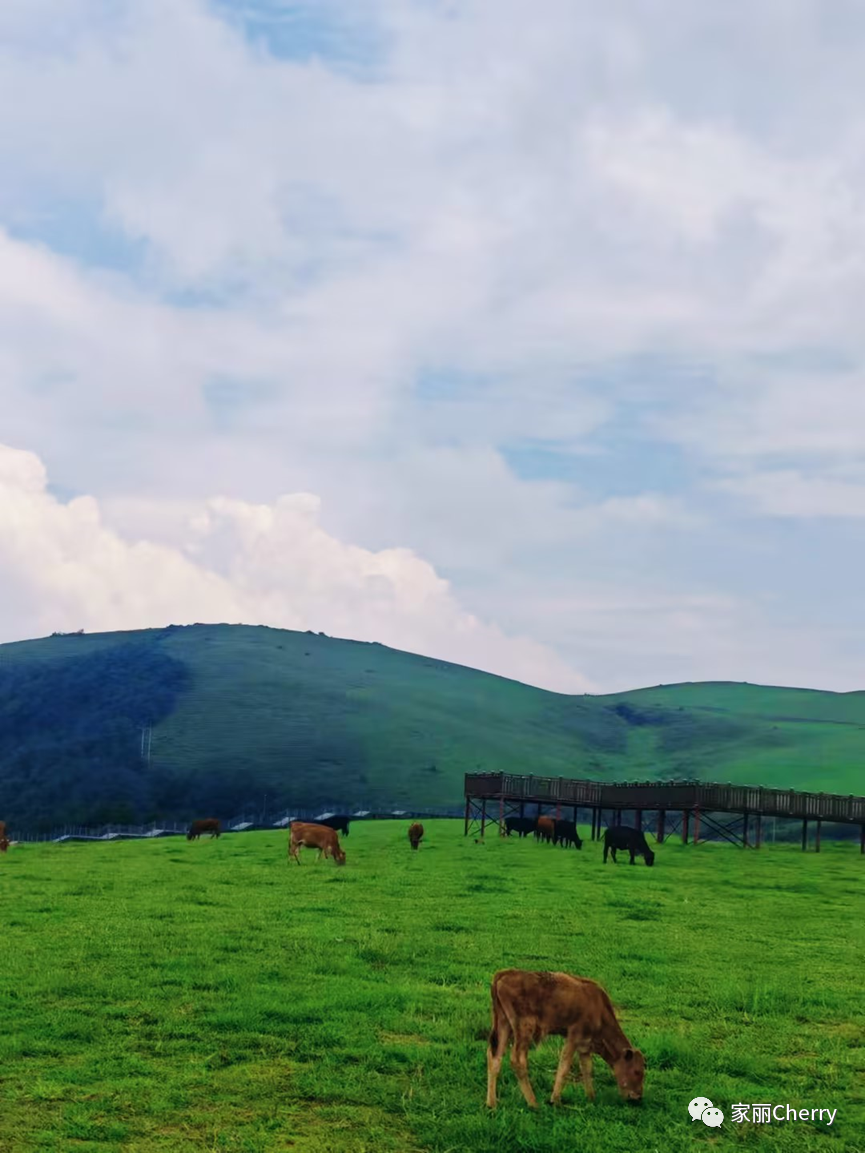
524, 336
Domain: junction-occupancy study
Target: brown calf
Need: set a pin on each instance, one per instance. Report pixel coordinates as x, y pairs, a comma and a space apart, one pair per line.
208, 825
545, 829
415, 834
314, 837
529, 1006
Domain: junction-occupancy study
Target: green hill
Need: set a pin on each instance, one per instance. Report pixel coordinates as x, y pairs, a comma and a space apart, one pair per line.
238, 712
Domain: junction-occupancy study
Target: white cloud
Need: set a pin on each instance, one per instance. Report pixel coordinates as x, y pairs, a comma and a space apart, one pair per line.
760, 414
522, 197
264, 564
788, 493
636, 636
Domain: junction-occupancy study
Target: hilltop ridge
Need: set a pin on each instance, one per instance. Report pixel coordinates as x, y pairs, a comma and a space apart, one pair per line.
148, 723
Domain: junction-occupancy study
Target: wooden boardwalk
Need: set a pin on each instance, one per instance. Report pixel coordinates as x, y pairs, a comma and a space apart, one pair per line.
495, 796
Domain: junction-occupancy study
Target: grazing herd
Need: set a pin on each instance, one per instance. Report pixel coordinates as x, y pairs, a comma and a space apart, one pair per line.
320, 834
549, 829
527, 1006
554, 831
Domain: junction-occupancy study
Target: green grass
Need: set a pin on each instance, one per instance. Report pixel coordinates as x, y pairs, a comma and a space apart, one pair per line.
208, 996
308, 719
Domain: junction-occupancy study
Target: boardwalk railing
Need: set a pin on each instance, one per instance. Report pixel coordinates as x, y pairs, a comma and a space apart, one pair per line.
682, 795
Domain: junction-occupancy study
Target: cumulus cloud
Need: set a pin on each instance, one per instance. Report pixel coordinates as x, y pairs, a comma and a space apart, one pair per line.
234, 261
64, 568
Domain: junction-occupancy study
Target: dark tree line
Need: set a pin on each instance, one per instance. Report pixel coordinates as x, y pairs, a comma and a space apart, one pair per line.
70, 736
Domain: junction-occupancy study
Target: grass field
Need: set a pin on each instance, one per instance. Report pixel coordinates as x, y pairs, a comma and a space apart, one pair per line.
208, 996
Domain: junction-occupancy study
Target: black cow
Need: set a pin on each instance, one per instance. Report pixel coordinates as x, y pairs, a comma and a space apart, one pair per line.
624, 837
340, 823
566, 834
521, 825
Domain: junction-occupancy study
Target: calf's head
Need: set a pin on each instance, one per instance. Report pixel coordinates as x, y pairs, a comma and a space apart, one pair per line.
339, 856
630, 1071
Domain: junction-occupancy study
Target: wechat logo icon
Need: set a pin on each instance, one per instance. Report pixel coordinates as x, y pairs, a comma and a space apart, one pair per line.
702, 1108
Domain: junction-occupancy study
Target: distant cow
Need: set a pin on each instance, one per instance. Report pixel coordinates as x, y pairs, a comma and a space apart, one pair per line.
320, 837
528, 1006
415, 834
545, 829
208, 825
624, 837
566, 834
340, 823
520, 825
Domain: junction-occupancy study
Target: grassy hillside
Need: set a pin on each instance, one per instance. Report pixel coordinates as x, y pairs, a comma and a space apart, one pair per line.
169, 997
241, 712
751, 734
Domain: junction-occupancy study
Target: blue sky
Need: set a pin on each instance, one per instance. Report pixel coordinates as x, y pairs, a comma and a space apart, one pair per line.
526, 338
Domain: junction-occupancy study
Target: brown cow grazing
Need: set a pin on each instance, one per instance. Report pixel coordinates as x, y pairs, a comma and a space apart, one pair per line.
529, 1006
208, 825
314, 837
415, 834
545, 829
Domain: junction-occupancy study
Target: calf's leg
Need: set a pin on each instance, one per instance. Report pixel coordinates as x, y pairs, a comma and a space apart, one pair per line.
499, 1037
565, 1062
520, 1060
586, 1071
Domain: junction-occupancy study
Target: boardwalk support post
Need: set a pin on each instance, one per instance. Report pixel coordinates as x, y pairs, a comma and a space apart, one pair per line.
817, 837
639, 820
468, 803
661, 817
483, 816
745, 830
862, 840
685, 818
804, 835
696, 825
759, 830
